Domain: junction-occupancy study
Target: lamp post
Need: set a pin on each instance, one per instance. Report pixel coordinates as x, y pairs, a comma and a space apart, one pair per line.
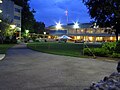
76, 26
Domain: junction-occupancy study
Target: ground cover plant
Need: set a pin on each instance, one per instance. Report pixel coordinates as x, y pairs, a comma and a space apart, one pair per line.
68, 49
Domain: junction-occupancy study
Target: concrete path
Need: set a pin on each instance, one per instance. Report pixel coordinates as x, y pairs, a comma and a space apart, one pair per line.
24, 69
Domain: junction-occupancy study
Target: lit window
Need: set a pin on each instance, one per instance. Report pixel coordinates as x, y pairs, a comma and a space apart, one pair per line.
17, 10
0, 1
0, 11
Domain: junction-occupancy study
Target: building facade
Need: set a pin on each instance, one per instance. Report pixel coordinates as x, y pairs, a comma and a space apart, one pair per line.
85, 32
11, 12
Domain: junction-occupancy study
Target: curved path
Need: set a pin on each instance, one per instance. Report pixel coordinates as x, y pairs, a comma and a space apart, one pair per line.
25, 69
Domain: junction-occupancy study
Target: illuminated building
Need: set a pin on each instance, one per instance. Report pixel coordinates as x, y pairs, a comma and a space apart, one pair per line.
85, 32
12, 12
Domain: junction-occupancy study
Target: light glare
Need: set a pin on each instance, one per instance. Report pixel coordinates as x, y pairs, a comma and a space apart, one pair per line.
58, 25
76, 25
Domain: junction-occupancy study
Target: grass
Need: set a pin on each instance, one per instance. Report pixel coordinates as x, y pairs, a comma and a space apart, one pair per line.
4, 48
67, 49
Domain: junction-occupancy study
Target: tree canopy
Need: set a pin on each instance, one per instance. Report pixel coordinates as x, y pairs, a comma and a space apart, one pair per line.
105, 12
28, 20
39, 27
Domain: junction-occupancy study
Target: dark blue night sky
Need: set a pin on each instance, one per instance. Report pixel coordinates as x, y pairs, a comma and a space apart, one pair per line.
51, 11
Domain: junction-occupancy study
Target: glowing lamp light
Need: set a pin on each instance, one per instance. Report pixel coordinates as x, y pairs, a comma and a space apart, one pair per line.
13, 26
0, 1
0, 11
26, 31
76, 25
58, 25
44, 33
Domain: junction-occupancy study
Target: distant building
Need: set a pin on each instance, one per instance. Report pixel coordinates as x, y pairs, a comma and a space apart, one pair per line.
12, 12
85, 32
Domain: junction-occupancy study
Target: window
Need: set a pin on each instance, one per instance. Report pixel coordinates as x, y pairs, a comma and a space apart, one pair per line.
17, 10
0, 11
17, 17
18, 25
0, 1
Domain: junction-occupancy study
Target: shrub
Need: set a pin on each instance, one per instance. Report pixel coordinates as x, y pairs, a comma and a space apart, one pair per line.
13, 40
87, 52
96, 51
7, 40
117, 49
116, 55
110, 46
100, 52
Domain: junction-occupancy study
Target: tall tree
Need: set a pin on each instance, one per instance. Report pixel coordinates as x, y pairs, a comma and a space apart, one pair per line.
39, 27
105, 12
28, 19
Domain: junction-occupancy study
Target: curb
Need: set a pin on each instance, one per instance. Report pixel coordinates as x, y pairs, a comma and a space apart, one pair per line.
2, 56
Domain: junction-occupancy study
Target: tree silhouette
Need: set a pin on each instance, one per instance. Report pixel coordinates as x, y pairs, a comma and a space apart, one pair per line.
28, 19
105, 12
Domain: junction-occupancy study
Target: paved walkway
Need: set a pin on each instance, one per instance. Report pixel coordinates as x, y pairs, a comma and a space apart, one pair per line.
24, 69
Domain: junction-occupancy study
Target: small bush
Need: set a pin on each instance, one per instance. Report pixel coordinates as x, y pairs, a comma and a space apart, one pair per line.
100, 52
116, 55
109, 46
87, 52
117, 49
96, 51
7, 40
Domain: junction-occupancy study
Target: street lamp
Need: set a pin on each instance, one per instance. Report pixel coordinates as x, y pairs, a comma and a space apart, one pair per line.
76, 26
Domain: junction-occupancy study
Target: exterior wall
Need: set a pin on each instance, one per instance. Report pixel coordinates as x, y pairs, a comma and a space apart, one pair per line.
17, 15
8, 10
11, 12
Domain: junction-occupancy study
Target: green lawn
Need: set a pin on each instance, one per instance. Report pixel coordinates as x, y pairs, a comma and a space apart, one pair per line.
4, 48
67, 49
